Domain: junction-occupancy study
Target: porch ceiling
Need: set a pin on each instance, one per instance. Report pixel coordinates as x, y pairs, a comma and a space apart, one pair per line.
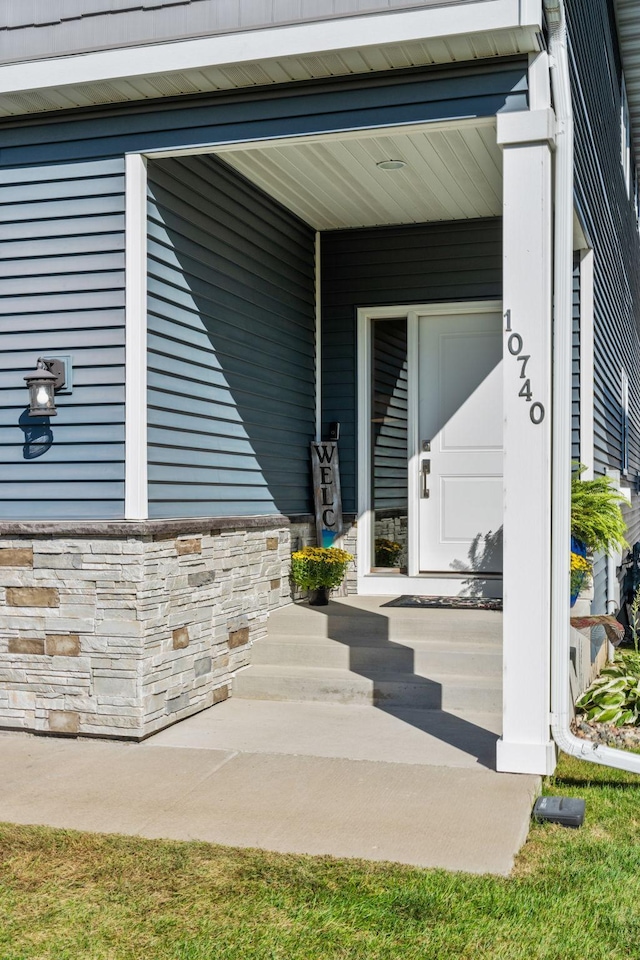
452, 172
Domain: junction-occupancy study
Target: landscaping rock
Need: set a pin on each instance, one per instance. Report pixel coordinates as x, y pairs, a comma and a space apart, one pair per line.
626, 737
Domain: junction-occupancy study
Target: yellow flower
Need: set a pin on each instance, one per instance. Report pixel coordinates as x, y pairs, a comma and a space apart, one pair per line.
390, 545
323, 555
579, 564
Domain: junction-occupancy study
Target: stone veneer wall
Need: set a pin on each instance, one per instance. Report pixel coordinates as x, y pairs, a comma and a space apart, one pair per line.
119, 629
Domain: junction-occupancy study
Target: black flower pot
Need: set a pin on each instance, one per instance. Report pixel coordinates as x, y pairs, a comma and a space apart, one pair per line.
319, 597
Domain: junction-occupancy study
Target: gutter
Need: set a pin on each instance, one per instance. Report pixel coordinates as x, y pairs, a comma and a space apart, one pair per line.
561, 463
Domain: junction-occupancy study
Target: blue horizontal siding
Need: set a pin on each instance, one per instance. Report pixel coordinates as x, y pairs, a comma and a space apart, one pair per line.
430, 263
62, 292
61, 260
611, 224
231, 345
432, 94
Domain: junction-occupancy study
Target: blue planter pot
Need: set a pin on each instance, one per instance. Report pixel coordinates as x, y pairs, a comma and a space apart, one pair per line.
580, 548
577, 546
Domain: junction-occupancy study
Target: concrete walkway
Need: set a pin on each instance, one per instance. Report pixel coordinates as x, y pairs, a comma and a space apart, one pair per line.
376, 778
459, 818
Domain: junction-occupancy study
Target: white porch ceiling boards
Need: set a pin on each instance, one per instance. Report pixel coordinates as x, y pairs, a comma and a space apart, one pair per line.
452, 172
628, 16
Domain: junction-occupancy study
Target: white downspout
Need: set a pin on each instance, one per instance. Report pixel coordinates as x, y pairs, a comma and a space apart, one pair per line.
561, 468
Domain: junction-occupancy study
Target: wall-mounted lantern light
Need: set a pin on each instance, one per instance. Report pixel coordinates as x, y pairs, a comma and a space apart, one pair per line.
48, 377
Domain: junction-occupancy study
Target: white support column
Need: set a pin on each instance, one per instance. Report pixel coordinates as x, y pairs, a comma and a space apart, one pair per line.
136, 493
527, 139
539, 81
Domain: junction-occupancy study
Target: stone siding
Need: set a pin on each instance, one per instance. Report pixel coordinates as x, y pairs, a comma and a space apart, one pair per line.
395, 529
108, 634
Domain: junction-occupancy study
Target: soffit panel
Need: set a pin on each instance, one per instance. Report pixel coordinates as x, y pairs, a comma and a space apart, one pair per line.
451, 173
418, 53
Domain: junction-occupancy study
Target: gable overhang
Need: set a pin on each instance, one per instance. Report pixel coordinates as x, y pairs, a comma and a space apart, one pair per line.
628, 17
354, 45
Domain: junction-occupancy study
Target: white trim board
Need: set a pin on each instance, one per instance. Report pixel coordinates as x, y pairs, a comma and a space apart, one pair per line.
586, 363
390, 584
251, 46
368, 583
357, 133
136, 490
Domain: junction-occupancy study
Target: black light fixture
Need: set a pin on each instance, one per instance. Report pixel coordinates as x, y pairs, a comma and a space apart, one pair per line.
42, 383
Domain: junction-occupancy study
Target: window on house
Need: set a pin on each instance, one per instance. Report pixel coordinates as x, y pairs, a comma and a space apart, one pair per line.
625, 138
624, 406
389, 442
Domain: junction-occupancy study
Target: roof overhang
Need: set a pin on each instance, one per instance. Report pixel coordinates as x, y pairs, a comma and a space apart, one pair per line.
628, 16
353, 45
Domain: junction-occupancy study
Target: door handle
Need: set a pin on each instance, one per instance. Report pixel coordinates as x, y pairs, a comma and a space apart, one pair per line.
424, 475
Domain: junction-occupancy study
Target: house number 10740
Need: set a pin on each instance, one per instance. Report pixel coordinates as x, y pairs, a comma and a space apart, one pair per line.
515, 346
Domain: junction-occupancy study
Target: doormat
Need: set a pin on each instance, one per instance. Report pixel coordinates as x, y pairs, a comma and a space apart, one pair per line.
447, 603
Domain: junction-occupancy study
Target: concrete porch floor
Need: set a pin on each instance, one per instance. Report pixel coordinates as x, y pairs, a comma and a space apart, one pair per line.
380, 782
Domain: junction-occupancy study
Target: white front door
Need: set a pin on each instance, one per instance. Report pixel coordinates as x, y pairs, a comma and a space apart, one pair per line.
460, 442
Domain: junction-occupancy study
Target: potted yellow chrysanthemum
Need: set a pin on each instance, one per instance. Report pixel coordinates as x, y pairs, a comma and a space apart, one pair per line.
319, 569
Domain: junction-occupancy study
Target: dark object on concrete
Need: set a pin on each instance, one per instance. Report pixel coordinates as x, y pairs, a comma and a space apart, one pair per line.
319, 597
568, 811
447, 603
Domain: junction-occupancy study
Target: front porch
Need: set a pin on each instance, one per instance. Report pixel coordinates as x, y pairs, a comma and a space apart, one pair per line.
364, 679
259, 262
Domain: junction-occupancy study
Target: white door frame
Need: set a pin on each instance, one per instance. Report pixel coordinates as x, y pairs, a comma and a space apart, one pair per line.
381, 584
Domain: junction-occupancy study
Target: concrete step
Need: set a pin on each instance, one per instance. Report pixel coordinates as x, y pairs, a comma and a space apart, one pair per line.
410, 657
438, 692
338, 621
354, 633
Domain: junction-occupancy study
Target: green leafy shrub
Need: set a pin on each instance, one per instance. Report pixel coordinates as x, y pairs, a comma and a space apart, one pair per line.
596, 517
314, 567
615, 696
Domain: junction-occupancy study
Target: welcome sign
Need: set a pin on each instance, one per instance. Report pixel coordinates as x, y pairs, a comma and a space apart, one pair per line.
326, 492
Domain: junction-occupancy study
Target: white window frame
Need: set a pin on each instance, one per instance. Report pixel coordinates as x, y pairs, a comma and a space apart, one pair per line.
587, 362
624, 408
625, 138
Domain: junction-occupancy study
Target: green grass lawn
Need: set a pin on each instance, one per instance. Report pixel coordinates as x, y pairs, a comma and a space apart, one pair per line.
573, 894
